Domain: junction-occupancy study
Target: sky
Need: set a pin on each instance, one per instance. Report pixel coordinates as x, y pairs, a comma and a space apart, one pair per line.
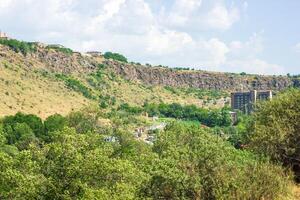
252, 36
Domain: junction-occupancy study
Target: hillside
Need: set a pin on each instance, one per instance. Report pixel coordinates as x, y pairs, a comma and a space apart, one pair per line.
51, 79
200, 79
147, 132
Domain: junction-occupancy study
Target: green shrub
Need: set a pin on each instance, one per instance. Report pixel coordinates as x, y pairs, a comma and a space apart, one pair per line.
19, 46
185, 162
115, 56
276, 129
76, 85
34, 122
216, 117
106, 100
101, 66
61, 49
194, 164
55, 122
130, 109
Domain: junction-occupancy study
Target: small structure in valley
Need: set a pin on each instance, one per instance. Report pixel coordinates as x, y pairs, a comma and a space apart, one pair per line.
233, 117
245, 101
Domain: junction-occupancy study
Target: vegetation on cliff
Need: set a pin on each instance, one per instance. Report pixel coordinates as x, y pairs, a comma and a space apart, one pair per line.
19, 46
115, 56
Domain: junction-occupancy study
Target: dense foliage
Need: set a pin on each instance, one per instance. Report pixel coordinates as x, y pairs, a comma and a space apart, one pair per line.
115, 56
199, 93
19, 46
70, 159
211, 118
276, 131
64, 50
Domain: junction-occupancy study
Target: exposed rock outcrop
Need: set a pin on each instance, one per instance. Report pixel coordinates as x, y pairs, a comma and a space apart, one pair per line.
199, 79
59, 62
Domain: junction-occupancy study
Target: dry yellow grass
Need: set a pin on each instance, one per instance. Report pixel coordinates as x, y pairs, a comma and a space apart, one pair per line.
29, 92
137, 93
296, 192
24, 88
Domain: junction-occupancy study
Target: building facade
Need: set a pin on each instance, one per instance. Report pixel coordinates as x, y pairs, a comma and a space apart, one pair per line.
245, 101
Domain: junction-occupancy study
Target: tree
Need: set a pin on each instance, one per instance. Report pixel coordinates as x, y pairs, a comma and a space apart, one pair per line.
55, 122
194, 164
276, 129
115, 56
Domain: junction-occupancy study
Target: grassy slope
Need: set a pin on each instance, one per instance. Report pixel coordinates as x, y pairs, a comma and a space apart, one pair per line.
30, 92
25, 87
137, 94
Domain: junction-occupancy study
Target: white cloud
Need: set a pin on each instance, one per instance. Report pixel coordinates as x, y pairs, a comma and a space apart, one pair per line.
221, 17
297, 47
181, 12
200, 15
255, 66
5, 4
166, 42
250, 48
245, 5
244, 57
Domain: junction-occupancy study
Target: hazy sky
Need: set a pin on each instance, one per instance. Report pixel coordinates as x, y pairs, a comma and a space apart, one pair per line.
255, 36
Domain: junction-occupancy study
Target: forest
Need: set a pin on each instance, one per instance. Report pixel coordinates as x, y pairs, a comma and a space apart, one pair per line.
68, 157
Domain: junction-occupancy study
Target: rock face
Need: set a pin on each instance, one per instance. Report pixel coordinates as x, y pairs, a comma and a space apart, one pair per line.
199, 79
79, 63
51, 60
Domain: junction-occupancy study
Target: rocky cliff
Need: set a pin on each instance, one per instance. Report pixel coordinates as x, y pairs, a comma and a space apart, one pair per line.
81, 63
199, 79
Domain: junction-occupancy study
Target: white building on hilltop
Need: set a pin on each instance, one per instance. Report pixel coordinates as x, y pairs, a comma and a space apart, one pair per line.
3, 35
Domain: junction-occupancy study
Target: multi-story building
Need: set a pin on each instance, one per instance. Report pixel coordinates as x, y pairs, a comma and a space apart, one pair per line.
245, 101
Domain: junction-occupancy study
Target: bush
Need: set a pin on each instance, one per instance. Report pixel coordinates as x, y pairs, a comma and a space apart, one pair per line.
64, 50
54, 123
130, 109
217, 117
276, 129
115, 56
185, 162
34, 122
76, 85
19, 46
106, 100
194, 164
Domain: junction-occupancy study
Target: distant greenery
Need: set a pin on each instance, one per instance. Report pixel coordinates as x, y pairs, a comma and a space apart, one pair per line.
98, 78
211, 118
101, 66
76, 85
182, 68
237, 135
64, 50
106, 101
115, 56
199, 93
70, 158
19, 46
